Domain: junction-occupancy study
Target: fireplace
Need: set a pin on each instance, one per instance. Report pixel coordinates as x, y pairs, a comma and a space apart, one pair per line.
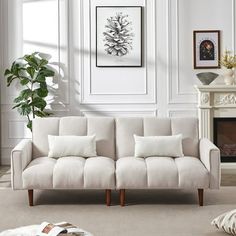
224, 134
217, 117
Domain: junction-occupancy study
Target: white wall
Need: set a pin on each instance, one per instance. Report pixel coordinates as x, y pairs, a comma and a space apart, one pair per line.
65, 29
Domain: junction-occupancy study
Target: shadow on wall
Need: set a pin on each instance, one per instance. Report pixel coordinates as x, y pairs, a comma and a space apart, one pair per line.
58, 85
65, 80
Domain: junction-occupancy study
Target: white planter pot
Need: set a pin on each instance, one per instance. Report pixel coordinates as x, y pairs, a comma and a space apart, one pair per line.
228, 76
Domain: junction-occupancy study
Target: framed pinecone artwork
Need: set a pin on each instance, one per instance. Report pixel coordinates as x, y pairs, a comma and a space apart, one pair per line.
118, 36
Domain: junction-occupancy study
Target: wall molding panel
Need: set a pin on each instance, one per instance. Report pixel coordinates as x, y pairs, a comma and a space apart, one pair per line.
182, 113
175, 95
148, 93
120, 113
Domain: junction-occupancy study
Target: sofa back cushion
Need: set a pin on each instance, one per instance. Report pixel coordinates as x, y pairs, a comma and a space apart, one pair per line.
114, 136
125, 130
188, 127
102, 127
41, 128
73, 125
153, 126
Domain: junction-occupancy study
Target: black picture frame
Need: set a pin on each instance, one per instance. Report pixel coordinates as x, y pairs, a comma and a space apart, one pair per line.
206, 49
110, 61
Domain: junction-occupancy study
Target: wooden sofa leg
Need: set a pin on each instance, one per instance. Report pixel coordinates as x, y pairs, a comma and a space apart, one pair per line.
200, 196
122, 197
31, 197
108, 197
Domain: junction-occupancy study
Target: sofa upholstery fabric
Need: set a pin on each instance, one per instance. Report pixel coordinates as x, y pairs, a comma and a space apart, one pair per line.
70, 172
125, 130
192, 173
71, 145
115, 165
156, 127
73, 125
21, 156
161, 172
99, 173
127, 127
131, 173
169, 146
39, 173
188, 127
41, 128
104, 129
210, 157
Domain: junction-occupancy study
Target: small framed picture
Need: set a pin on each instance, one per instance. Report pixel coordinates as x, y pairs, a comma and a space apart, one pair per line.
206, 49
118, 36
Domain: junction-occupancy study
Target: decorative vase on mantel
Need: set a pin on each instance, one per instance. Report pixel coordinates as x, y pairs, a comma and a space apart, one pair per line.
228, 74
228, 61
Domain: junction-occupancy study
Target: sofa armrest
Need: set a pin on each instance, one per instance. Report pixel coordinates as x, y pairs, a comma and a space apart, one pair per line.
21, 156
210, 157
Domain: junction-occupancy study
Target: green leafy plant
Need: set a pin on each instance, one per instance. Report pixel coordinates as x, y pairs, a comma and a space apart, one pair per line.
31, 72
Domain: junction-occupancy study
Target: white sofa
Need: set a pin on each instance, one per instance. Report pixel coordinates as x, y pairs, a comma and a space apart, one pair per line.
115, 167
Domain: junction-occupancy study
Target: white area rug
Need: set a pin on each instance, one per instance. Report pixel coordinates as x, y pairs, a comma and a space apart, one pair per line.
152, 213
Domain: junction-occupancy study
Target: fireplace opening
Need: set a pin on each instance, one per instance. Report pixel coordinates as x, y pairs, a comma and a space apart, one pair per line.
225, 138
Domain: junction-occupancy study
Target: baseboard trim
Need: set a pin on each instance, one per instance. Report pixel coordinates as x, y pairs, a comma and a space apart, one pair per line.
228, 165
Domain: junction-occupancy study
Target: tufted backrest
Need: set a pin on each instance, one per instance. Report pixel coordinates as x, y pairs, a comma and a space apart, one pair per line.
127, 127
102, 127
114, 137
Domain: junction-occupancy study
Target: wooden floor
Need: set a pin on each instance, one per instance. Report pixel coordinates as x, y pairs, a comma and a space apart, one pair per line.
228, 177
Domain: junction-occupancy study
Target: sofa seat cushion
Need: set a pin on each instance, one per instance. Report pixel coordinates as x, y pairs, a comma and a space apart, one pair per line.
39, 174
99, 173
69, 173
162, 172
192, 173
131, 172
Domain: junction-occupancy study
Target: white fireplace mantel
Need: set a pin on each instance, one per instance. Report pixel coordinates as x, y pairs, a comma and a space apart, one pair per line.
214, 101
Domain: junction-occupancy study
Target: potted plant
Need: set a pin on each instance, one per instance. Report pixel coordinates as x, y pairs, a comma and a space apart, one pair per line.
31, 72
228, 61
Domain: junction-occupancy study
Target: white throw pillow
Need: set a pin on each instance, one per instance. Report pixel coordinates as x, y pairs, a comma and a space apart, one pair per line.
226, 222
170, 146
83, 146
